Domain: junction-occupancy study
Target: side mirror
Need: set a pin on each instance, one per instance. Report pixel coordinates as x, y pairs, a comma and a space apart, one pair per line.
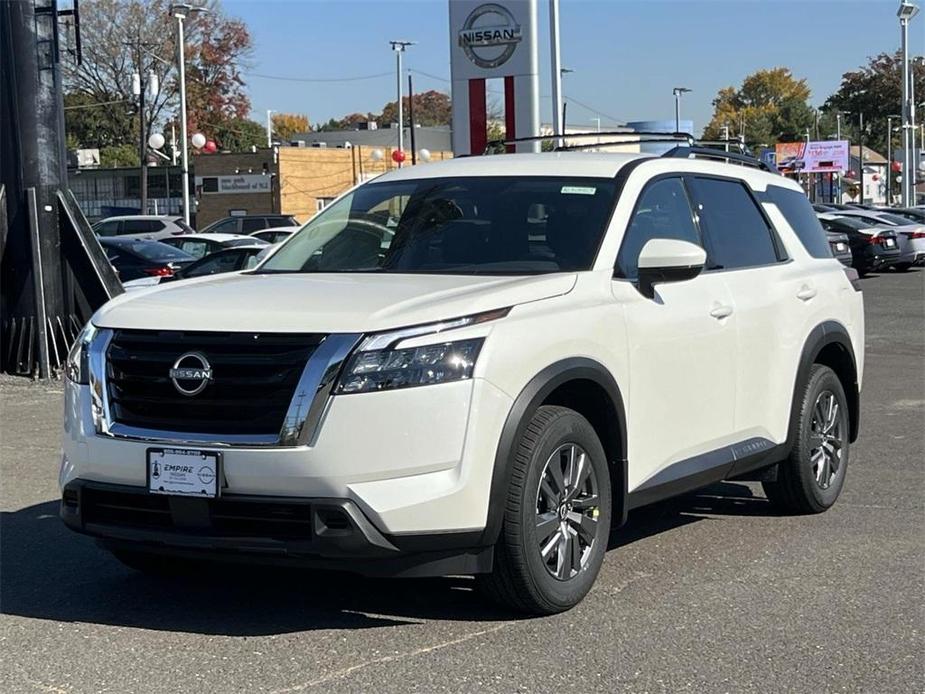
668, 260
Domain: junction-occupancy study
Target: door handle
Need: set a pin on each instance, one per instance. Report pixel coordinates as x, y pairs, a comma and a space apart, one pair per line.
720, 312
806, 293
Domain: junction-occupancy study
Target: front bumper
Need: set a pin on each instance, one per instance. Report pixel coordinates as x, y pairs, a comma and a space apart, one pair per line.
319, 533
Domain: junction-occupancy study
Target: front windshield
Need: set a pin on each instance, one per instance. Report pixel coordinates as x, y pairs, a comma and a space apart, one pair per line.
489, 225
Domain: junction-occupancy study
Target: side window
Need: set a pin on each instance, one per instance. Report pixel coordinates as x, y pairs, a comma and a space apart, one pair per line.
662, 212
253, 224
802, 219
141, 226
108, 229
735, 231
229, 226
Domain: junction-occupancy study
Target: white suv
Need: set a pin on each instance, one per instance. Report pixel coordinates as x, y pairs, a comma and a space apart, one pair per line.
477, 366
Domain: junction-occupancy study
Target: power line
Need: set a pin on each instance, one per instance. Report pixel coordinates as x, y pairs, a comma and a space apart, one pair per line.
318, 79
97, 103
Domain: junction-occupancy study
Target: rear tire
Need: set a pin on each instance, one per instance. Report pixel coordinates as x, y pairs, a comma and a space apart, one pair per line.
556, 519
811, 478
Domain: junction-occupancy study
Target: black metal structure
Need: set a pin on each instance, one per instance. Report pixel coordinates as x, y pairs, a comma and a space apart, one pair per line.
53, 273
719, 155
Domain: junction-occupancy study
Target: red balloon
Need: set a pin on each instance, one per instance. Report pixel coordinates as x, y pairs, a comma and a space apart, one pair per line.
896, 166
398, 156
210, 146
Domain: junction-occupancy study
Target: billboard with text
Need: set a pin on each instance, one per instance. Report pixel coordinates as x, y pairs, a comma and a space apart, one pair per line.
828, 156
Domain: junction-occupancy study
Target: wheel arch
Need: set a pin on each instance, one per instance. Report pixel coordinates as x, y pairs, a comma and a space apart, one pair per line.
828, 344
589, 388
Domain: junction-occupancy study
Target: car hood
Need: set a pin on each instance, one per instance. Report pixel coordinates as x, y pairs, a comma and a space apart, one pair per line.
323, 303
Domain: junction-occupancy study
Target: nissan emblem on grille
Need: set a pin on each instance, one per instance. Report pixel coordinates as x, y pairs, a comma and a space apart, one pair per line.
191, 373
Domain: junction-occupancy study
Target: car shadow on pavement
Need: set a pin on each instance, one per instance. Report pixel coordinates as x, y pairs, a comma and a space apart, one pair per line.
48, 572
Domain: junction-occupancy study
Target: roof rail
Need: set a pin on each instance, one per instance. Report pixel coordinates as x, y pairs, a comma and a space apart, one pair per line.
711, 153
632, 137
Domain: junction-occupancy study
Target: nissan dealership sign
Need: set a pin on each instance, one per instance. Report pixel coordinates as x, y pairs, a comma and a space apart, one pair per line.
494, 40
490, 35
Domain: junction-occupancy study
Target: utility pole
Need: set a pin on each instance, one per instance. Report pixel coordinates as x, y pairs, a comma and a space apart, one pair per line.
907, 10
861, 158
558, 128
138, 90
269, 129
838, 115
889, 158
399, 48
414, 149
678, 91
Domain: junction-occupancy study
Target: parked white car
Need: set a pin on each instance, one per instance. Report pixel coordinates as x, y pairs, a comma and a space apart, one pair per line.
142, 226
275, 234
474, 367
201, 245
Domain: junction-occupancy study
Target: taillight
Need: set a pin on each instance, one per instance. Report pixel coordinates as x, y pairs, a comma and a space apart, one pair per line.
918, 235
164, 271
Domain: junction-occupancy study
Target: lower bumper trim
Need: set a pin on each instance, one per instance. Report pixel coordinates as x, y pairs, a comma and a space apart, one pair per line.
312, 532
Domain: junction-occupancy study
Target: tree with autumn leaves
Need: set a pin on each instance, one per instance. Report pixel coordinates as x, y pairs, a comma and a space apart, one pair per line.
121, 37
773, 106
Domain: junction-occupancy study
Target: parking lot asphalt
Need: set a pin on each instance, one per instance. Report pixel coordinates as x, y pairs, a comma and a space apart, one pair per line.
712, 592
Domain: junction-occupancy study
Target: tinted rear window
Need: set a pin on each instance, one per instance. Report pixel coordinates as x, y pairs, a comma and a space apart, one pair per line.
737, 234
802, 219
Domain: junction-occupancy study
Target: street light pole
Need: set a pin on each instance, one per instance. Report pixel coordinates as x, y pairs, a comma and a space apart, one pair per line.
554, 49
838, 115
861, 158
269, 129
889, 159
678, 91
907, 10
399, 48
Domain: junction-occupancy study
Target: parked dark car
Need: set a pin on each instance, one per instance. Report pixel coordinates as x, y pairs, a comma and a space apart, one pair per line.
871, 247
137, 258
249, 224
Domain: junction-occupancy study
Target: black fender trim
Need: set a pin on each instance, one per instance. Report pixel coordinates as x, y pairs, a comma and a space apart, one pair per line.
823, 335
525, 405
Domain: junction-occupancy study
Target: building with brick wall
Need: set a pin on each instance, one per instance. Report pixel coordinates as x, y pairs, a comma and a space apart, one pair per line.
285, 180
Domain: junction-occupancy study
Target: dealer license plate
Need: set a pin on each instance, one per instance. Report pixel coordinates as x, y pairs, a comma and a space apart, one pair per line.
183, 472
840, 246
890, 243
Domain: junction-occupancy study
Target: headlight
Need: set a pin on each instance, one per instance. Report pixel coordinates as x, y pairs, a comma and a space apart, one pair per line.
388, 369
77, 367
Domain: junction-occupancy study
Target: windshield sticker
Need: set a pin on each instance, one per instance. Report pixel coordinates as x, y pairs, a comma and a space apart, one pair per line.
578, 190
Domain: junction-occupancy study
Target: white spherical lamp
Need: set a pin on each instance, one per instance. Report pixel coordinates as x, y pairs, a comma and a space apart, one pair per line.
156, 141
198, 140
377, 155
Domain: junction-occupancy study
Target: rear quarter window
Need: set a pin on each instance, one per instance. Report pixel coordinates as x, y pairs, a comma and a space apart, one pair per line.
802, 219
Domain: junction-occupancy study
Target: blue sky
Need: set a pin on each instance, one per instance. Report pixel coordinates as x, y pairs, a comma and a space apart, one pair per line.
627, 54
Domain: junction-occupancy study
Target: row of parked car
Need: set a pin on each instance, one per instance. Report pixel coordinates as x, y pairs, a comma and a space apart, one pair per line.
146, 250
872, 238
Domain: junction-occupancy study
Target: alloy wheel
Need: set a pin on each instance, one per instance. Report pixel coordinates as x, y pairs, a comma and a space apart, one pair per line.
567, 509
826, 439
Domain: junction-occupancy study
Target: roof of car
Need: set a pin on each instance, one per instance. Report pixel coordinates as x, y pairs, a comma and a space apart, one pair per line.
212, 237
125, 241
290, 229
589, 164
124, 217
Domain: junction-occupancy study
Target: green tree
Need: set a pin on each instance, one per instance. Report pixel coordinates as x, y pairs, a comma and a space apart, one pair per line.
769, 107
118, 155
876, 91
238, 134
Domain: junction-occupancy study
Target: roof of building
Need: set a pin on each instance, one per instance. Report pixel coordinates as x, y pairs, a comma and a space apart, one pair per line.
436, 139
871, 156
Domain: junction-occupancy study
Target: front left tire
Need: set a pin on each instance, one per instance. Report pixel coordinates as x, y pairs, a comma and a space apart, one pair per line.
557, 516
